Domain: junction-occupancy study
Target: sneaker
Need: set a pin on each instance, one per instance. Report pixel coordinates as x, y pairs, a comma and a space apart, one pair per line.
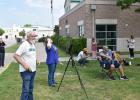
123, 78
112, 78
55, 83
52, 85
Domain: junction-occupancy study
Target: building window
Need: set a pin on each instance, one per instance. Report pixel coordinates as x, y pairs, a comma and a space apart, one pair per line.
67, 31
106, 35
81, 30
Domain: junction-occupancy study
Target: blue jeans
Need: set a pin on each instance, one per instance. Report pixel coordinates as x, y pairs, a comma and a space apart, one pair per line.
83, 61
106, 64
27, 85
51, 69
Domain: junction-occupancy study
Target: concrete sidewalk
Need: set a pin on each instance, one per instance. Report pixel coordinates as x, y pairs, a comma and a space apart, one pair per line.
8, 60
8, 56
9, 42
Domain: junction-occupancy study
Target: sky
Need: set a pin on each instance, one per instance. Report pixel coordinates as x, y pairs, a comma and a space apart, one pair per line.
35, 12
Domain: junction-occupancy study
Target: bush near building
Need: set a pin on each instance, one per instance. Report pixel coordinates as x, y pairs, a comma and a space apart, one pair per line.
78, 44
56, 38
64, 43
42, 39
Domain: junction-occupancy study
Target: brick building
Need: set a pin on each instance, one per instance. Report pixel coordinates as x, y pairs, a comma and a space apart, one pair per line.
103, 20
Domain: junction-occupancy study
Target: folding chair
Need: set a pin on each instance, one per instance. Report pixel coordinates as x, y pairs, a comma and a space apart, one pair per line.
105, 71
102, 66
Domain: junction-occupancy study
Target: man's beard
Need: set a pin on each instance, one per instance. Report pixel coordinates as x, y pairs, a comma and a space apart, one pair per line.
32, 41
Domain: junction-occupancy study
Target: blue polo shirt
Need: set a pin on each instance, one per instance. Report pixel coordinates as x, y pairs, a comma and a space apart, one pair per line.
109, 53
52, 55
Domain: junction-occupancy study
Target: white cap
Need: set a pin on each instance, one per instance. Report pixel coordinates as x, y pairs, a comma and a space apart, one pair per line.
106, 47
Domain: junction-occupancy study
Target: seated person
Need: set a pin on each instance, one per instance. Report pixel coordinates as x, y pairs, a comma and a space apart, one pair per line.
120, 59
82, 57
109, 62
117, 57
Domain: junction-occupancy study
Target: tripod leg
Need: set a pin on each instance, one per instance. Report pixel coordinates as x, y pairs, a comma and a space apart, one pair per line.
82, 86
63, 75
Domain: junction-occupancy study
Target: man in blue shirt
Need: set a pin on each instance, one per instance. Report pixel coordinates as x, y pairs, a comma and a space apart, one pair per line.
109, 62
51, 60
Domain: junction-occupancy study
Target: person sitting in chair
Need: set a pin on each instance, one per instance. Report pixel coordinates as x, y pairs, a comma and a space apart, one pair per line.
120, 59
82, 57
109, 62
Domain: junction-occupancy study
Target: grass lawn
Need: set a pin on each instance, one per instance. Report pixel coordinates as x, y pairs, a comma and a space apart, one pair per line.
62, 53
97, 86
12, 49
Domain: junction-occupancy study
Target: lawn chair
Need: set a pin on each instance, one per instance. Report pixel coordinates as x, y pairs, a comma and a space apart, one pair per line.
103, 69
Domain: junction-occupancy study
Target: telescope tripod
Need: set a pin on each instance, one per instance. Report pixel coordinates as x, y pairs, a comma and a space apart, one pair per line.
80, 80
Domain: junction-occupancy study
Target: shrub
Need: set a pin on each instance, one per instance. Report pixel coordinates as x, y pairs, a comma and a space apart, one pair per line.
55, 38
42, 39
22, 33
64, 43
78, 44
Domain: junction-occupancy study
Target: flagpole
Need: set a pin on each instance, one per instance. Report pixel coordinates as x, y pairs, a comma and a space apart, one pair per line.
52, 20
52, 14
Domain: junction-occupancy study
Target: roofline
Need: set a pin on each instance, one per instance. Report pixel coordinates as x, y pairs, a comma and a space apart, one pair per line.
84, 2
73, 9
71, 1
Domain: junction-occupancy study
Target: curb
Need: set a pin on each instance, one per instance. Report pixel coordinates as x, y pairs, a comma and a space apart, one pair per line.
4, 69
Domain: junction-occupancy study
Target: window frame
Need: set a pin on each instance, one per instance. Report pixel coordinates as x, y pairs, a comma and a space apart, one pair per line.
106, 38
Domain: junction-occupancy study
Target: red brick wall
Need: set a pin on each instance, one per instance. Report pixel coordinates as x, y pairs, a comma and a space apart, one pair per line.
128, 16
82, 13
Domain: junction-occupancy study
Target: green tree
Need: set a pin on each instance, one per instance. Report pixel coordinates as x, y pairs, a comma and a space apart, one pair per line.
1, 31
22, 33
127, 3
27, 25
56, 36
56, 29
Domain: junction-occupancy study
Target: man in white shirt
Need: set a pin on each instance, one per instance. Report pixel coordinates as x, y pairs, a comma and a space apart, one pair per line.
82, 57
26, 57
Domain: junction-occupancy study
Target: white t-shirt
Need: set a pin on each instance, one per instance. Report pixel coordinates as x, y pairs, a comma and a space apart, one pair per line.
81, 55
27, 52
132, 43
